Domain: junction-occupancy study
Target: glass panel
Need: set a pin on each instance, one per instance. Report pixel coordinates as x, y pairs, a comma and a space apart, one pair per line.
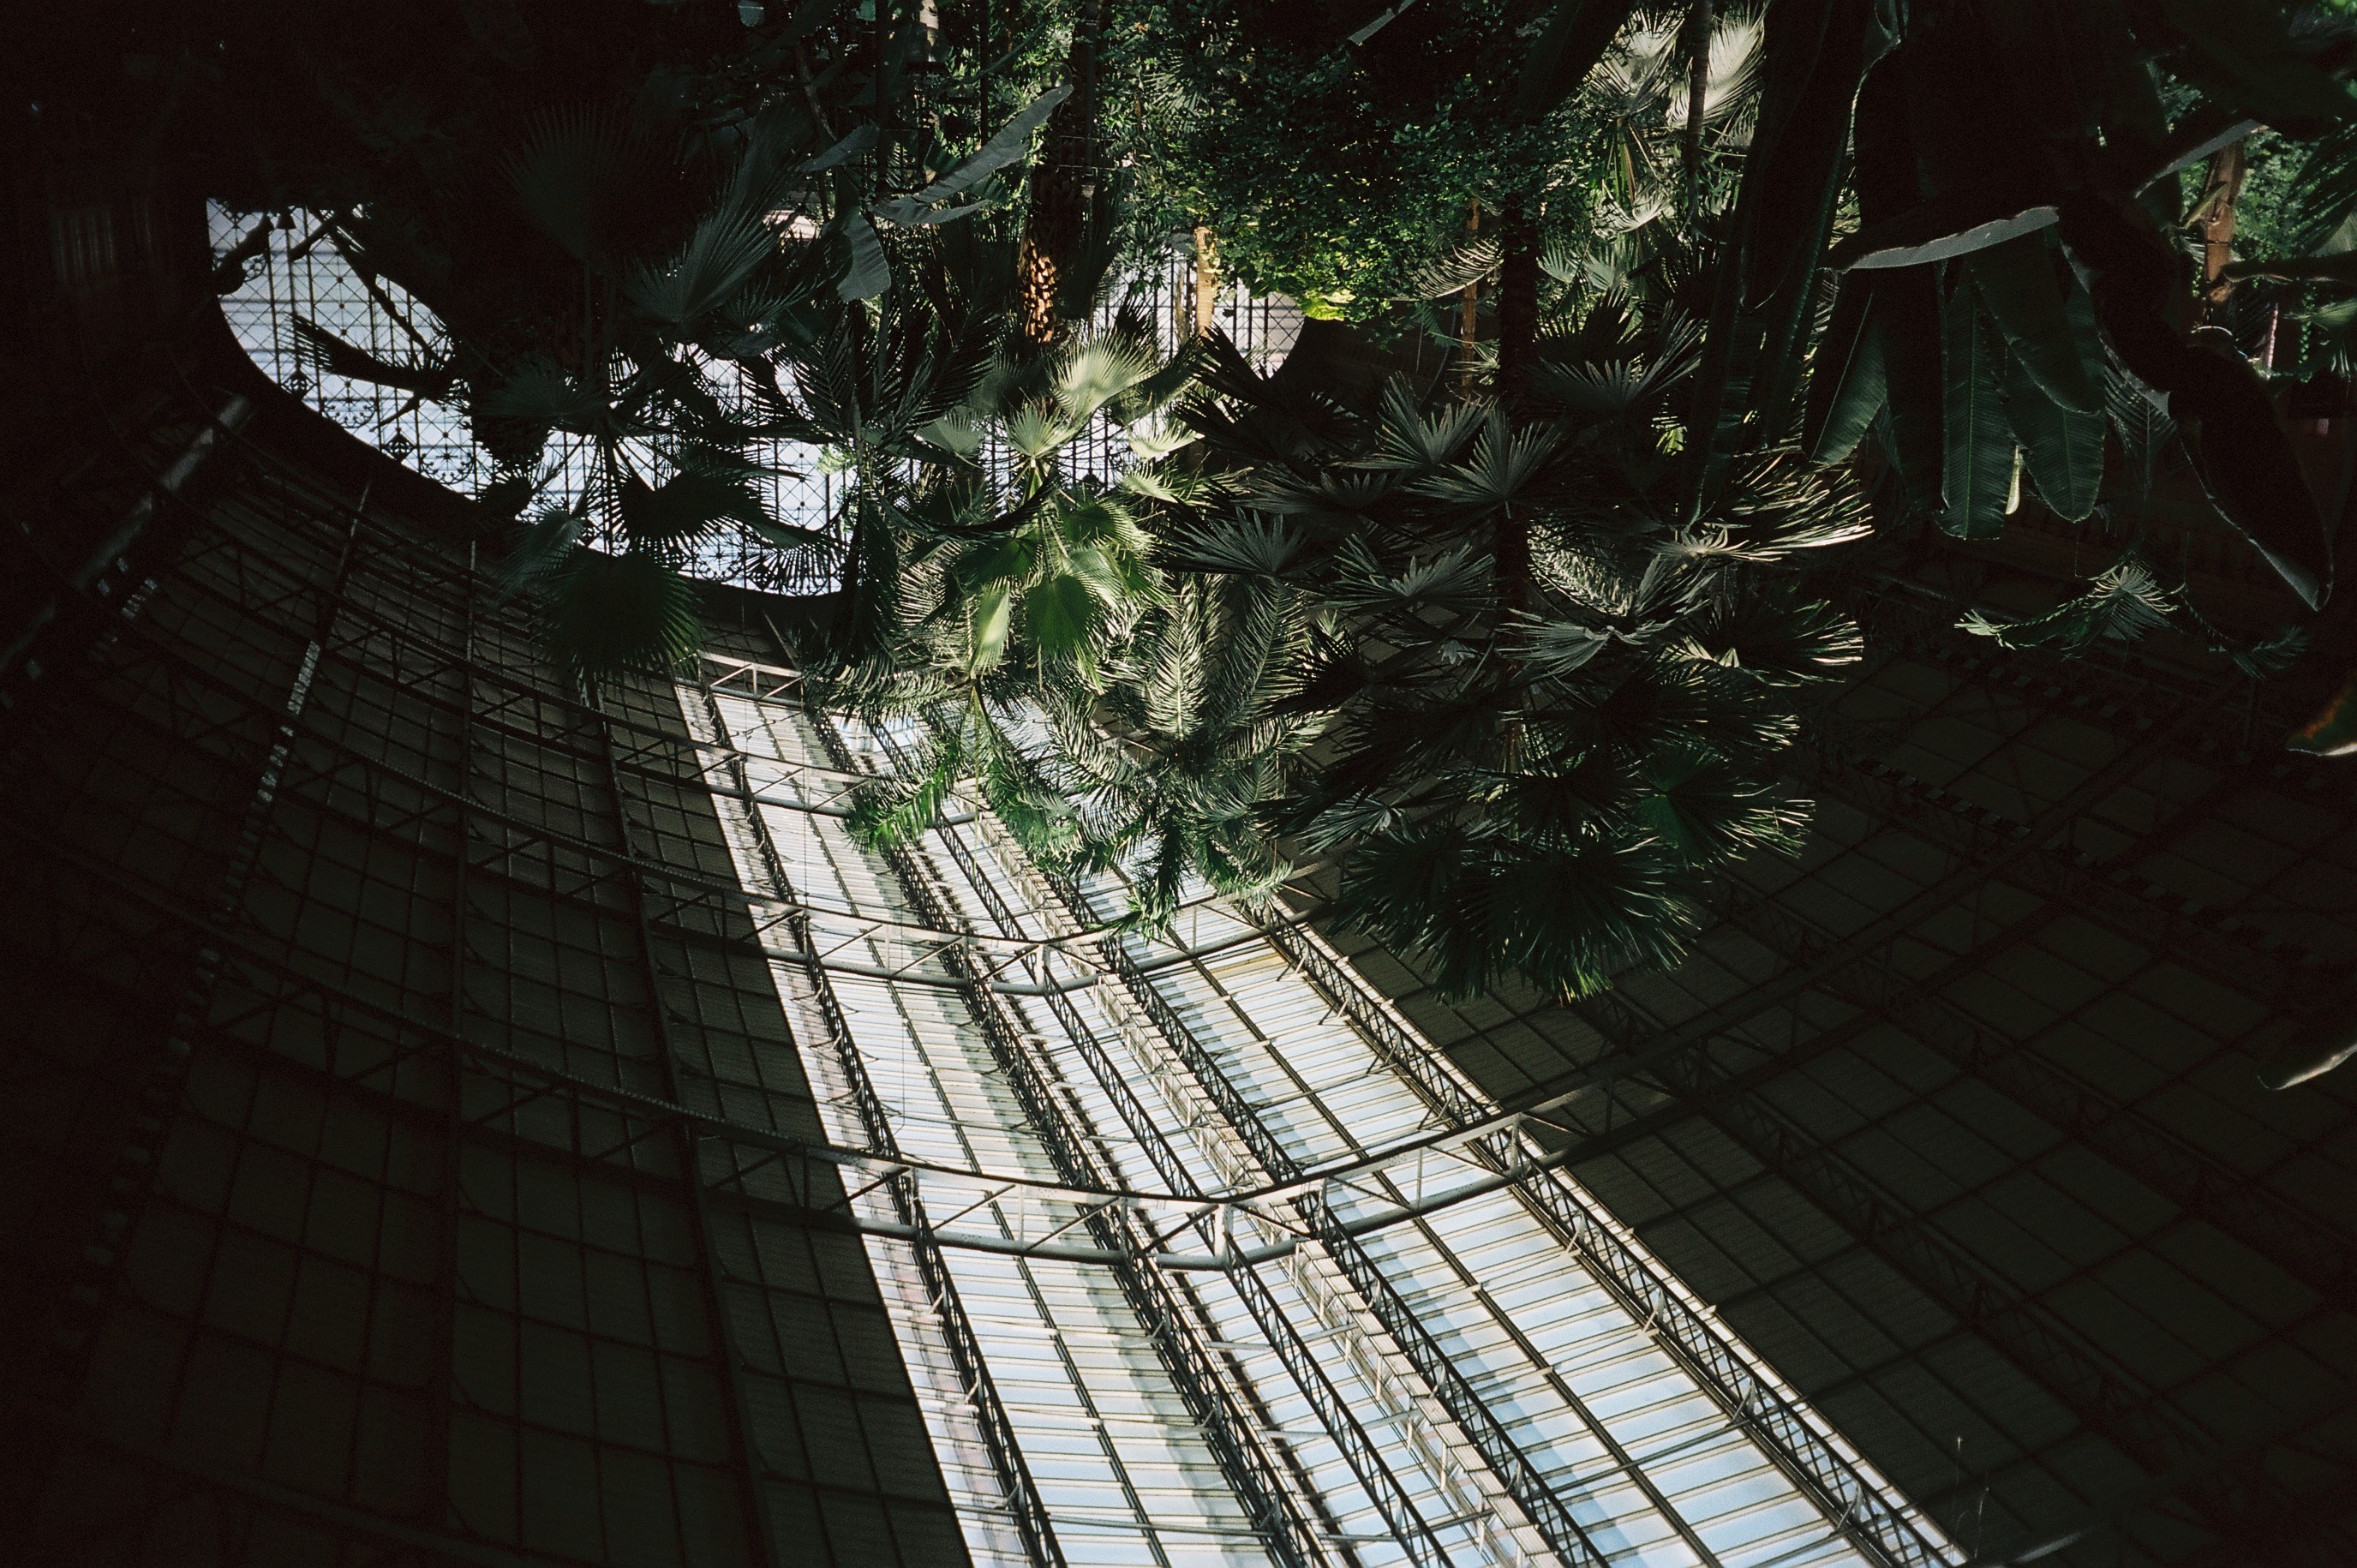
1220, 1070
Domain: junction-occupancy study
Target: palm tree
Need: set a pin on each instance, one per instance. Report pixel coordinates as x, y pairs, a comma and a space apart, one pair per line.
671, 304
1547, 707
1021, 580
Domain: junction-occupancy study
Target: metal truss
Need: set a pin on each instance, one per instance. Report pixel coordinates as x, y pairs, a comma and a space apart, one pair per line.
1823, 1466
164, 1085
1365, 1459
1022, 1493
1174, 1323
1515, 1473
2214, 942
2304, 1245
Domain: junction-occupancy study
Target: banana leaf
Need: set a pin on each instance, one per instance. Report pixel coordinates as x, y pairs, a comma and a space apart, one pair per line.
1848, 386
867, 273
1976, 465
1808, 88
2246, 462
1906, 317
2061, 448
2018, 284
933, 204
1577, 34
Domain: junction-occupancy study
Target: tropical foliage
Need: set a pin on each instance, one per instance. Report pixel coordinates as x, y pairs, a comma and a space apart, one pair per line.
1509, 653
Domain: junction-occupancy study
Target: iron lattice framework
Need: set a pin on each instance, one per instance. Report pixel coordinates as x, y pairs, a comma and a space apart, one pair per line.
1958, 1118
1388, 1325
289, 268
392, 1036
456, 1122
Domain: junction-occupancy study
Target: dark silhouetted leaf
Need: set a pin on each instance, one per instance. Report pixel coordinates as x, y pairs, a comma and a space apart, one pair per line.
1906, 317
932, 205
2247, 463
1577, 34
2024, 296
612, 615
1976, 466
1846, 389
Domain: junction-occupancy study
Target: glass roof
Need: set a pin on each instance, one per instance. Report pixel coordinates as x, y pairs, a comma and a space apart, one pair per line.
288, 268
1206, 1213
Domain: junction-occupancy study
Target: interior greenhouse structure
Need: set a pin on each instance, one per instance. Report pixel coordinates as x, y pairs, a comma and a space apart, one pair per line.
1037, 783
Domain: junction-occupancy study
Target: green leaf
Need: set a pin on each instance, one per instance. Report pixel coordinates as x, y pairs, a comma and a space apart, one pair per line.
1906, 317
1502, 466
574, 172
2144, 428
989, 617
2247, 50
545, 544
611, 615
718, 261
1099, 368
1249, 546
545, 396
1010, 559
894, 813
2340, 268
1848, 387
1813, 61
683, 506
1976, 465
1061, 616
1411, 441
2062, 447
2247, 465
1706, 810
930, 205
867, 273
2024, 295
1578, 32
1958, 223
858, 141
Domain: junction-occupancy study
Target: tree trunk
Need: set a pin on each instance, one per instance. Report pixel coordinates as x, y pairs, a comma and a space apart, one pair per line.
1207, 280
2214, 215
1697, 93
1057, 221
1469, 321
1518, 303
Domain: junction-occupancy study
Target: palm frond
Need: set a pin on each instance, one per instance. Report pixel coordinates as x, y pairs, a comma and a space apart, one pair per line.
719, 259
1503, 466
2121, 604
544, 545
1409, 439
424, 374
1457, 579
1478, 910
1250, 546
607, 616
575, 172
